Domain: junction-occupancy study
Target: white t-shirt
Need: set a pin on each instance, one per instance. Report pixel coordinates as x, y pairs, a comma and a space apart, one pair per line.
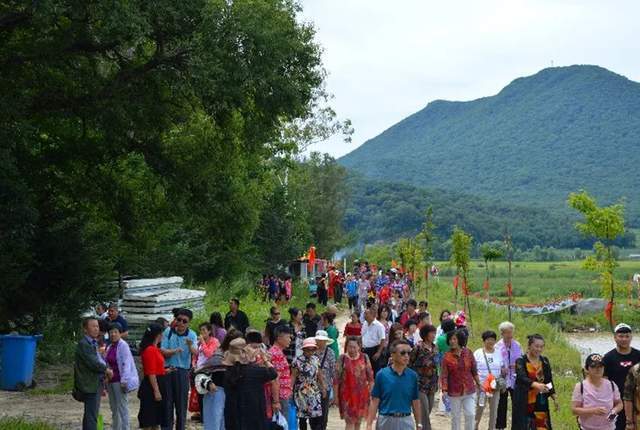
495, 361
372, 334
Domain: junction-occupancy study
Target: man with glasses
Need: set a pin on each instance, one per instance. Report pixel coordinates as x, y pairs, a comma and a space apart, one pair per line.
395, 393
617, 363
178, 345
235, 317
272, 325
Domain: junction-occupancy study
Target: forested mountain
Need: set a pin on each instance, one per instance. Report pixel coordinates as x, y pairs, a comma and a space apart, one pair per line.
378, 210
541, 137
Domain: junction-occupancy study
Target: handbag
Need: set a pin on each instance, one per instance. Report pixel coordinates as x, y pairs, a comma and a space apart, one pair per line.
279, 422
501, 382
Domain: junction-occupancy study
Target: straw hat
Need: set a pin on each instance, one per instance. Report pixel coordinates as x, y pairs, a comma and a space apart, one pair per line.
310, 342
235, 353
323, 335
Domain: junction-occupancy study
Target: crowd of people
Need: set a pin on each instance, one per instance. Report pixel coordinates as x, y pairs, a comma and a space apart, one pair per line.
386, 366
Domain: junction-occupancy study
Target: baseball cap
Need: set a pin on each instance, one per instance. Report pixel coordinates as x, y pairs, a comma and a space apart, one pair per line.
593, 360
622, 328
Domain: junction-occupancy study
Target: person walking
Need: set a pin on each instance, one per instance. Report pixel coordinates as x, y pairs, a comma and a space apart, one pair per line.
272, 324
353, 383
217, 326
245, 407
89, 369
153, 387
631, 397
533, 389
178, 345
490, 368
351, 287
423, 362
298, 335
210, 383
327, 358
353, 327
235, 317
596, 400
510, 350
308, 386
207, 346
395, 393
282, 339
328, 322
124, 377
373, 338
459, 380
619, 360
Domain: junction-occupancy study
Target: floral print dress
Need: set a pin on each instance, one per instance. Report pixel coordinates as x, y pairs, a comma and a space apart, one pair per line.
306, 390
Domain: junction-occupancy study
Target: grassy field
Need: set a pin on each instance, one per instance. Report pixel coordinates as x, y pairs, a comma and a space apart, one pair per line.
21, 424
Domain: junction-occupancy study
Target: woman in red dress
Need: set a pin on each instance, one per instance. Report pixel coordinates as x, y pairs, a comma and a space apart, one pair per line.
353, 384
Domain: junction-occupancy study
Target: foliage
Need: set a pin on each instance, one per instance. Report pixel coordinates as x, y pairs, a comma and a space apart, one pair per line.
538, 139
138, 139
377, 210
23, 424
491, 251
605, 224
410, 253
461, 250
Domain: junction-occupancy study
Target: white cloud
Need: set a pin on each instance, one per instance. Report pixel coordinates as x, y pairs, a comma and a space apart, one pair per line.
386, 60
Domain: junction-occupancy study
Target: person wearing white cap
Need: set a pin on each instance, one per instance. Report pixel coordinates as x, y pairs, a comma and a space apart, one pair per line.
328, 365
308, 386
618, 361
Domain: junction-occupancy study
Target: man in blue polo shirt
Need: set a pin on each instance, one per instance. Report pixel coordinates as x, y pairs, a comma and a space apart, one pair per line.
178, 345
395, 393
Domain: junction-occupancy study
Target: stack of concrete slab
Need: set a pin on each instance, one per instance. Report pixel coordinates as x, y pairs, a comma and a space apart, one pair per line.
145, 300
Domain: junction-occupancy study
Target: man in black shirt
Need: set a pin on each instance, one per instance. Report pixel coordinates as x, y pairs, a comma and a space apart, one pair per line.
311, 320
618, 361
235, 317
272, 325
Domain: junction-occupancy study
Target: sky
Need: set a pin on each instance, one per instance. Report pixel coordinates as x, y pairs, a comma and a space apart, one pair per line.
388, 59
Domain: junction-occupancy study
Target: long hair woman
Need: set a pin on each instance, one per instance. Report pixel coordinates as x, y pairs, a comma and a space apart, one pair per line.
153, 387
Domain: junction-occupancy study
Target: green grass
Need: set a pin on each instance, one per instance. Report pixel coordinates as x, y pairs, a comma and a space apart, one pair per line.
22, 424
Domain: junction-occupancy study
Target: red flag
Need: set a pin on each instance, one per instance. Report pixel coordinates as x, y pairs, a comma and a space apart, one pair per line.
608, 312
485, 286
456, 279
312, 258
426, 275
465, 289
509, 289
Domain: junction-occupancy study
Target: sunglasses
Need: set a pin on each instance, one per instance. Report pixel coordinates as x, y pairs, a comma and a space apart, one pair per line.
182, 320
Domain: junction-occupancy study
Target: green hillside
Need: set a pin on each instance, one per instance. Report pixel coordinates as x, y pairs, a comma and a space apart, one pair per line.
541, 137
378, 210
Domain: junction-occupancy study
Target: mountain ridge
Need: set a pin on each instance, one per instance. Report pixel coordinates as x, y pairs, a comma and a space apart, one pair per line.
537, 139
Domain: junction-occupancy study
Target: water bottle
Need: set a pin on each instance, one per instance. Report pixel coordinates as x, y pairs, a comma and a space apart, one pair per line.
481, 398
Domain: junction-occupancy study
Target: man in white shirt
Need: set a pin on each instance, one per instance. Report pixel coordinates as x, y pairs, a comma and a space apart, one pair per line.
373, 339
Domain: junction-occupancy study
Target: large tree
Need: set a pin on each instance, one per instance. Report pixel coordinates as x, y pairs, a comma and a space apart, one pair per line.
136, 138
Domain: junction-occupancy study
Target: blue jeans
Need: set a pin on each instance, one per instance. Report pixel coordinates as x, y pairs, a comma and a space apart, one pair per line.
213, 410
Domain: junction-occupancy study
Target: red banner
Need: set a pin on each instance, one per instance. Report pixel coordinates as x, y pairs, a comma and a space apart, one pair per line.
465, 288
509, 289
485, 286
312, 258
608, 312
456, 280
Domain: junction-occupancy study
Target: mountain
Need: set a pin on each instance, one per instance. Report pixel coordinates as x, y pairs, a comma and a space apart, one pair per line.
379, 210
540, 138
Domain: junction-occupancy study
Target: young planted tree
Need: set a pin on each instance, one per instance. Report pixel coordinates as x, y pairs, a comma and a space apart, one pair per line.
490, 251
605, 224
460, 257
410, 255
426, 237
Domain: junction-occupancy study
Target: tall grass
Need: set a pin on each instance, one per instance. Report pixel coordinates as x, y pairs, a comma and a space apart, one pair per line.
22, 424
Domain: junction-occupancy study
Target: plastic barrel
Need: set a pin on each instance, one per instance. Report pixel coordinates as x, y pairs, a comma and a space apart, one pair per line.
18, 361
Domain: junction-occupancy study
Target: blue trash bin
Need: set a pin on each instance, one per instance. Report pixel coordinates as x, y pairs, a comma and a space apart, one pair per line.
18, 361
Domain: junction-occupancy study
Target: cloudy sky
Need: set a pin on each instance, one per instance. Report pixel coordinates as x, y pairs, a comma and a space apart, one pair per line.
387, 59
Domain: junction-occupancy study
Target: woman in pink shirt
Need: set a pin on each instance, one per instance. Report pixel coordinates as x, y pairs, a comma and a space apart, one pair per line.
596, 400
